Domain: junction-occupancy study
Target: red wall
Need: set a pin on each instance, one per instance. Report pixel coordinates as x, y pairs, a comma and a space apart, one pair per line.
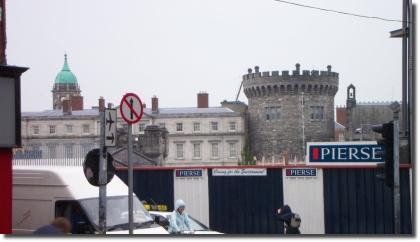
6, 191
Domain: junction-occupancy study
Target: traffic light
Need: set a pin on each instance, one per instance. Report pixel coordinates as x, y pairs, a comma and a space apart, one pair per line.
386, 169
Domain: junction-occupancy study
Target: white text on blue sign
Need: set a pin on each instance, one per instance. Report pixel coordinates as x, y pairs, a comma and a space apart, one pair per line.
188, 173
301, 172
345, 153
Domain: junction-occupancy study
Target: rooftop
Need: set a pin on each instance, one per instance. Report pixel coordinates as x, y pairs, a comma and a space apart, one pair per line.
192, 110
163, 112
59, 113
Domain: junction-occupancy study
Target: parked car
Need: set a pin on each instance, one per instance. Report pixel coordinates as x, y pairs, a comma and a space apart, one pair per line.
162, 218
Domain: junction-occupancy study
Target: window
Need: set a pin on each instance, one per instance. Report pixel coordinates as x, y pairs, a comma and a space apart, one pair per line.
317, 112
214, 126
232, 150
52, 129
35, 129
179, 151
232, 126
68, 150
52, 151
76, 215
69, 128
214, 150
178, 127
86, 128
196, 127
196, 151
272, 113
162, 125
142, 126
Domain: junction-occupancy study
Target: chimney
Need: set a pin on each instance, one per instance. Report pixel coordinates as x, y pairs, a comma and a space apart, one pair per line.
155, 104
257, 69
110, 105
76, 103
329, 68
297, 67
66, 106
101, 104
202, 100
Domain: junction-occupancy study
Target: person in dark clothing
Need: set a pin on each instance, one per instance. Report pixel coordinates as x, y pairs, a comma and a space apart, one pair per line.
59, 226
290, 219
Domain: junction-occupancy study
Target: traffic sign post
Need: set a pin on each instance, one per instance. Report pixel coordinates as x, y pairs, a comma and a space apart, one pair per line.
131, 109
110, 127
102, 176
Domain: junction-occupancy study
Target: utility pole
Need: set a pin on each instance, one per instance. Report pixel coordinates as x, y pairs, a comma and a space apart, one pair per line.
303, 126
404, 67
397, 200
407, 34
411, 64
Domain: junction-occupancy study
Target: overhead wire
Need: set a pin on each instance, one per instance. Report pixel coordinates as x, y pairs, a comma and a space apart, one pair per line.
341, 12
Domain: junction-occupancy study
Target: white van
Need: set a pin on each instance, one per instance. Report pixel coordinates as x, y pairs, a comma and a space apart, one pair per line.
42, 193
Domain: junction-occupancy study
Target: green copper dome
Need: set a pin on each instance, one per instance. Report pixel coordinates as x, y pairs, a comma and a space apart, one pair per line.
65, 76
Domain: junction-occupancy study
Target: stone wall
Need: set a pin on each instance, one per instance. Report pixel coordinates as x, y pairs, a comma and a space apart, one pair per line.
284, 136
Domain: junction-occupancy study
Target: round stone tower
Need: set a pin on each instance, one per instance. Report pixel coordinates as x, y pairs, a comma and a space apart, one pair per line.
286, 110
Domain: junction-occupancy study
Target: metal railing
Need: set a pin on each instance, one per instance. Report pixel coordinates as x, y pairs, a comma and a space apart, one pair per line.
51, 155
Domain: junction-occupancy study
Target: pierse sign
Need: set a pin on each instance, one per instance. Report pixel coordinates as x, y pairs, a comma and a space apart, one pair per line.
188, 173
301, 172
343, 153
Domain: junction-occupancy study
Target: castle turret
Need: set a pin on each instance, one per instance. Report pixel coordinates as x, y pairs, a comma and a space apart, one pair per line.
287, 110
66, 86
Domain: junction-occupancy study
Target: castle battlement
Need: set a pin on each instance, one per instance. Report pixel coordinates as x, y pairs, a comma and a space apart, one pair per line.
287, 74
314, 82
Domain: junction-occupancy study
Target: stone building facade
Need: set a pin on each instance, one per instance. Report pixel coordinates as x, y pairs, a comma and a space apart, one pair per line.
68, 131
197, 136
286, 110
359, 117
53, 134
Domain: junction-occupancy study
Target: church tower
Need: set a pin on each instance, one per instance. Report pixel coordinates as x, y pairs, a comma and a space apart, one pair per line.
66, 87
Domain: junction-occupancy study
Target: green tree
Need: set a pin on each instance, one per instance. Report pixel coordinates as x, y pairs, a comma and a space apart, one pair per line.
246, 152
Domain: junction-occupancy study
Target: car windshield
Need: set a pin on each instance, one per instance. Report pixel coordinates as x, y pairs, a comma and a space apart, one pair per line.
195, 225
116, 211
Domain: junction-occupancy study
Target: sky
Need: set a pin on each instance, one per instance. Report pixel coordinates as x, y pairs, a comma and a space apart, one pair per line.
175, 49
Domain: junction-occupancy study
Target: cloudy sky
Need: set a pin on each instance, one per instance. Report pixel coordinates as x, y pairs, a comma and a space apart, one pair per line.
174, 49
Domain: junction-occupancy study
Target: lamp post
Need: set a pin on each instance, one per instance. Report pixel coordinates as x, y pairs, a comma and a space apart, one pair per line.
274, 137
303, 123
